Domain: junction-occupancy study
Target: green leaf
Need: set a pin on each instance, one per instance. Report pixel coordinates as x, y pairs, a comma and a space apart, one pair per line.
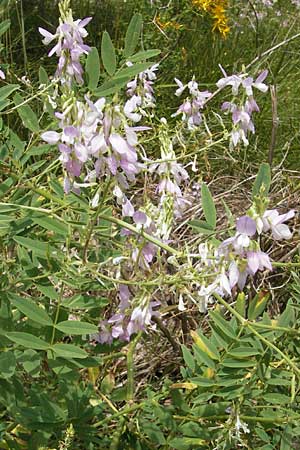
133, 34
38, 247
154, 433
77, 328
4, 104
84, 302
4, 26
205, 345
200, 226
275, 398
185, 443
147, 54
5, 91
48, 290
40, 150
28, 117
27, 340
111, 86
243, 352
30, 309
52, 225
240, 305
238, 364
188, 357
203, 382
203, 358
108, 54
69, 351
92, 67
258, 304
221, 323
262, 182
43, 76
208, 206
131, 71
7, 364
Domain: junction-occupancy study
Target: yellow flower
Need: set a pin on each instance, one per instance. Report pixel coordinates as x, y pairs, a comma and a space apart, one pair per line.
217, 10
169, 24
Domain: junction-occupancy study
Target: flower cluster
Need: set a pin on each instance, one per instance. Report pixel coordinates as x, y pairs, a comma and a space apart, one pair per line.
172, 175
98, 136
238, 257
69, 47
243, 110
217, 9
133, 315
191, 107
141, 93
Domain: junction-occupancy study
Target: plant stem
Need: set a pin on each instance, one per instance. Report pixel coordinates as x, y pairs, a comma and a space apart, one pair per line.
57, 313
94, 221
225, 417
130, 367
122, 412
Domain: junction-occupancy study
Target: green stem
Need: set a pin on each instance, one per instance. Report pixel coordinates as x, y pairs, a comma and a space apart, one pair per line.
122, 412
287, 264
225, 417
147, 236
130, 367
57, 313
94, 221
111, 219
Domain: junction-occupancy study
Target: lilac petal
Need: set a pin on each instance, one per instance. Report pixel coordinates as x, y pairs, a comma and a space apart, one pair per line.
81, 152
118, 143
83, 22
112, 164
124, 292
246, 225
140, 217
262, 76
265, 261
71, 131
48, 37
233, 274
52, 137
253, 262
127, 208
281, 231
284, 217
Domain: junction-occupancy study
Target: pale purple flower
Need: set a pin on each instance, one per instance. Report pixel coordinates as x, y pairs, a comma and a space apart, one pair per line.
69, 47
190, 108
246, 225
51, 137
249, 83
258, 260
233, 80
274, 221
140, 218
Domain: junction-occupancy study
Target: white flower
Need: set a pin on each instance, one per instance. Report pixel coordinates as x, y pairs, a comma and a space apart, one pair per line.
274, 221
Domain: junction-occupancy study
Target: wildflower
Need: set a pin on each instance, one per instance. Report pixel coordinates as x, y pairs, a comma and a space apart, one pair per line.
258, 260
240, 425
69, 47
191, 107
141, 92
273, 221
2, 74
217, 10
242, 114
